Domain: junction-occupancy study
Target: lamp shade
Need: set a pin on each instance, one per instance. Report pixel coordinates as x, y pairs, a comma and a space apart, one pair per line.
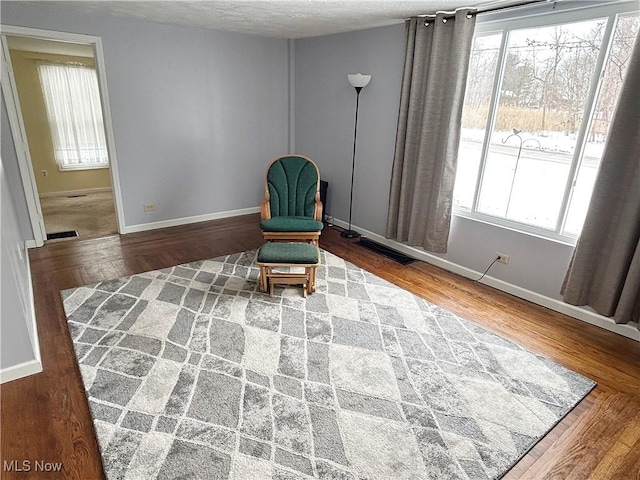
358, 80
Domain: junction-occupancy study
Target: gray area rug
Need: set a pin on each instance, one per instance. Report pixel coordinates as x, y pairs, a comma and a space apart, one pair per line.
192, 373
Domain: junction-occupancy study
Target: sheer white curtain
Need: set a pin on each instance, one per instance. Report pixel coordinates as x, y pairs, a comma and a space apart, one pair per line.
72, 101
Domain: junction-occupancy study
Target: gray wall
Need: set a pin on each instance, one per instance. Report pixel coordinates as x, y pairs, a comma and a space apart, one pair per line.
197, 114
324, 130
15, 308
325, 110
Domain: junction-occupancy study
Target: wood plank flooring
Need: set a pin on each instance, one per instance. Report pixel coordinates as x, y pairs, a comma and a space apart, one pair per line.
45, 417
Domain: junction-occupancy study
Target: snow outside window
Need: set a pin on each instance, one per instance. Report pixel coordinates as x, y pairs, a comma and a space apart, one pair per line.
538, 106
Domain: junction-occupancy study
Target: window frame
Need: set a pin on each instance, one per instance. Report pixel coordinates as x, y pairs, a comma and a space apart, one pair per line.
544, 15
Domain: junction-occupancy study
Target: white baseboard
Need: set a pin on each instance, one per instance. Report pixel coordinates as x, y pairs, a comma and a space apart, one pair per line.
143, 227
83, 191
21, 370
30, 244
627, 330
31, 366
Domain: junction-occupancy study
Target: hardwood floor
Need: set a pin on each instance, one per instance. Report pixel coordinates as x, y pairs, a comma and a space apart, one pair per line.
45, 417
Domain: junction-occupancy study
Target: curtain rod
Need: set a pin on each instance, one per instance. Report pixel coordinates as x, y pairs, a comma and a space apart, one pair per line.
517, 5
451, 15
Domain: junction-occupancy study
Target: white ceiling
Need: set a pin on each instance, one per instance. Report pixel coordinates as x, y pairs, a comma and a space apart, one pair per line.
279, 18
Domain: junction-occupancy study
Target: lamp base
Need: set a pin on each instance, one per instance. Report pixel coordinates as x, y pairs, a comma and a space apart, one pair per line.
349, 234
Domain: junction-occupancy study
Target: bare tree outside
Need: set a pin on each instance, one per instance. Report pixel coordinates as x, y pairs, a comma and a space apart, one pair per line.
543, 101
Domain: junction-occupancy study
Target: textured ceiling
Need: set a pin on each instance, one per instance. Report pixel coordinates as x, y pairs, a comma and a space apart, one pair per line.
279, 18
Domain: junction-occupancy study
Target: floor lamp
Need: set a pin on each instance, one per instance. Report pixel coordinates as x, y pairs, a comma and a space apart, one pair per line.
357, 81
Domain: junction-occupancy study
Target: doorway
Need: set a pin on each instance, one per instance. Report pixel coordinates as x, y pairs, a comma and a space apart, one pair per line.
61, 110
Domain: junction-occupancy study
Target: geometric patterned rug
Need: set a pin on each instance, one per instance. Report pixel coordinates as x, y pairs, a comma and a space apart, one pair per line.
191, 372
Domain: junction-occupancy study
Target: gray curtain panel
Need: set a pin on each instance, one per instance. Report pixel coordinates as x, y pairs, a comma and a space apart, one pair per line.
425, 159
605, 269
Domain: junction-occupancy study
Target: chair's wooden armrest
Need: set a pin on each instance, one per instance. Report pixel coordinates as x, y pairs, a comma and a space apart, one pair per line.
319, 207
265, 210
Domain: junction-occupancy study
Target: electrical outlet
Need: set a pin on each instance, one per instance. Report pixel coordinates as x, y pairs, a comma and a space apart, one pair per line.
149, 207
45, 173
502, 258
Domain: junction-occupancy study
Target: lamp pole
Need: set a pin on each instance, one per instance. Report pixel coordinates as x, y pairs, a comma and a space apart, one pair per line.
357, 81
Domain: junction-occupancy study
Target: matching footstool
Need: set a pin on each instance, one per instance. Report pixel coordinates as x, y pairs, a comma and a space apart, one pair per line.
276, 255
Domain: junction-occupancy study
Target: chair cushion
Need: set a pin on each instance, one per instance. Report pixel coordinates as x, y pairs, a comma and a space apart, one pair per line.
291, 224
292, 182
293, 252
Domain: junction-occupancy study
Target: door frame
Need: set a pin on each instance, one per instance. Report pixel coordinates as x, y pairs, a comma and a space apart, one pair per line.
18, 131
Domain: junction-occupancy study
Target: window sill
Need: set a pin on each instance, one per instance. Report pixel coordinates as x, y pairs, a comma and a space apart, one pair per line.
74, 168
488, 220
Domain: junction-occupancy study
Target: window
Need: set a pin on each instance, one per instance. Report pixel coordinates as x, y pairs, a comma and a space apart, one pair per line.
72, 102
538, 105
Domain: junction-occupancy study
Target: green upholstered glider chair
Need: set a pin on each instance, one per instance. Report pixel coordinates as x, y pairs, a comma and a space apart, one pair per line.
292, 209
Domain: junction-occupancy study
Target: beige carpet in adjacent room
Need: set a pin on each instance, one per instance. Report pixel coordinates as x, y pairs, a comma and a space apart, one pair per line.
91, 214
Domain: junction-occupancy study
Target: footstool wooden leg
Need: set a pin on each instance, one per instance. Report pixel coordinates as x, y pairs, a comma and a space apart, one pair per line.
263, 278
313, 278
